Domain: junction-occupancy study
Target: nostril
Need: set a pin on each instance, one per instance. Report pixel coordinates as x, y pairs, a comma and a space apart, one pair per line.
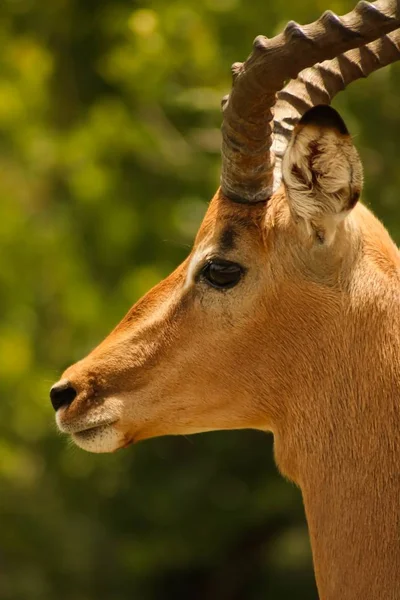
62, 394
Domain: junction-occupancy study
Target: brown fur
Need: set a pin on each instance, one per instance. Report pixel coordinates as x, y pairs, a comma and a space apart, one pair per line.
307, 346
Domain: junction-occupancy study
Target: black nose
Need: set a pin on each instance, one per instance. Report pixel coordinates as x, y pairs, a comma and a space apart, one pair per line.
61, 394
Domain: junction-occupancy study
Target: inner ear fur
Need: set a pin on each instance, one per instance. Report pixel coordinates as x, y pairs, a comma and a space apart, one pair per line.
321, 169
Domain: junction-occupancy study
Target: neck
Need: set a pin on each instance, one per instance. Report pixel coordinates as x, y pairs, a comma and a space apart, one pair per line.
354, 526
338, 437
351, 491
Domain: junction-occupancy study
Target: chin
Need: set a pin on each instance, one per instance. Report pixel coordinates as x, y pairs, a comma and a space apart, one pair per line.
99, 439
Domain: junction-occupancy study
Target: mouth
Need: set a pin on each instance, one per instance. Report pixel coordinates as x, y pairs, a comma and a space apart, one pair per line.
82, 426
95, 437
90, 432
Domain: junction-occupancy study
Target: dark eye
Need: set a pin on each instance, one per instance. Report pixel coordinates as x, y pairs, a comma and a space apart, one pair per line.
221, 274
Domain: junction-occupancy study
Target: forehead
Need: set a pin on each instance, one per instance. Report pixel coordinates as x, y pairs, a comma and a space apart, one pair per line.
229, 226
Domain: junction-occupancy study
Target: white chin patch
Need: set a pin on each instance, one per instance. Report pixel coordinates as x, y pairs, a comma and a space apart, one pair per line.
99, 439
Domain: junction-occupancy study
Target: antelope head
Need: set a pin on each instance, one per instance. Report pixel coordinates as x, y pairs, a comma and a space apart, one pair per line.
257, 324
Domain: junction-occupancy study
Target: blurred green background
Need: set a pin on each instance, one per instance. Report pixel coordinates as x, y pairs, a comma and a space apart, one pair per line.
109, 153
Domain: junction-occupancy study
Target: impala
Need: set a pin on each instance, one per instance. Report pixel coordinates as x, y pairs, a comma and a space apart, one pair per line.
285, 317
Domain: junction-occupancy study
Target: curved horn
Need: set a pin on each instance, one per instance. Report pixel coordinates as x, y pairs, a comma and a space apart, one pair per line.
320, 83
247, 160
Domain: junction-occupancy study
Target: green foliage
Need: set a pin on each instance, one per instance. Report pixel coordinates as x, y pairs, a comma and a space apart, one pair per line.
109, 151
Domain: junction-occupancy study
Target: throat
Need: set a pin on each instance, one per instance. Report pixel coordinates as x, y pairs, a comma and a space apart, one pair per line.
353, 514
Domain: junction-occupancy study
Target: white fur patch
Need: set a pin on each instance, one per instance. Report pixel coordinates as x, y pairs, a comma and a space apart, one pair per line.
94, 431
198, 258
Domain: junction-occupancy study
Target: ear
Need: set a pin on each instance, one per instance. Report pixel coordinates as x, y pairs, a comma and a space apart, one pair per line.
322, 171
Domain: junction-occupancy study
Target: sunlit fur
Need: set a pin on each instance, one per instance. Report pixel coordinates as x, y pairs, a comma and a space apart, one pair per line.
307, 346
